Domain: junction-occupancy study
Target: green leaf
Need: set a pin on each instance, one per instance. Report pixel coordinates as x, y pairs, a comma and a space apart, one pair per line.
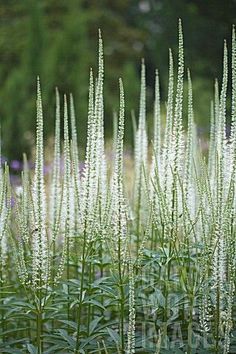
114, 335
67, 338
71, 324
32, 349
95, 303
94, 324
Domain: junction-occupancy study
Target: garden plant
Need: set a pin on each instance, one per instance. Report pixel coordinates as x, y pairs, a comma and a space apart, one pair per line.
89, 264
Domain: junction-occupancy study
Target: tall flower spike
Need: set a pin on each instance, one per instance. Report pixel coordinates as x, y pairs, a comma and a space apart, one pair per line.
99, 101
26, 201
167, 146
221, 134
211, 153
156, 157
75, 183
177, 150
214, 134
169, 113
115, 129
4, 217
140, 155
177, 126
89, 176
118, 203
217, 105
56, 188
99, 136
73, 125
233, 118
157, 118
189, 146
233, 123
101, 143
142, 104
120, 135
75, 152
223, 96
25, 217
190, 154
40, 243
68, 193
220, 256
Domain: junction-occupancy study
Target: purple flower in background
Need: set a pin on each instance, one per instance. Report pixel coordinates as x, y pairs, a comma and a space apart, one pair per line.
16, 165
47, 169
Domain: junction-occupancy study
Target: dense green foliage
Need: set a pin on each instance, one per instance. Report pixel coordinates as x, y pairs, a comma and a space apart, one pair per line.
88, 265
56, 40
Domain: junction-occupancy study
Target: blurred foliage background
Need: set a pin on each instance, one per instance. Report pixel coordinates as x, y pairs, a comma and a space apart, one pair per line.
57, 40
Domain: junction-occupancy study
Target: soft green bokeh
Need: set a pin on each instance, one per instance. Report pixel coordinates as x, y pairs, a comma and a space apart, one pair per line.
58, 41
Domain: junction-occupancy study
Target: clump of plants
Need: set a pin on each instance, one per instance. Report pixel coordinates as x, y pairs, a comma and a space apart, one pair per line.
89, 267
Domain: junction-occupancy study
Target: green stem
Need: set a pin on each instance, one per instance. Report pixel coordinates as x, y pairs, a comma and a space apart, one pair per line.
122, 299
39, 331
39, 322
138, 213
53, 276
89, 290
217, 320
190, 326
101, 271
68, 277
81, 293
1, 299
39, 316
122, 308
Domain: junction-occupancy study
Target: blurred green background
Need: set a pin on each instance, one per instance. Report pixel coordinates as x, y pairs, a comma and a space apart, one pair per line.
57, 40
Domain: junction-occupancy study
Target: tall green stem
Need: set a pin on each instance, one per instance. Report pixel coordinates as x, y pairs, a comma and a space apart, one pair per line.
81, 292
122, 299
